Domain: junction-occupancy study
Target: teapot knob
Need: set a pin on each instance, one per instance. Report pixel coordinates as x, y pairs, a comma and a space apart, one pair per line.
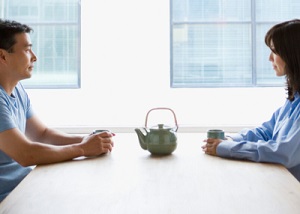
160, 126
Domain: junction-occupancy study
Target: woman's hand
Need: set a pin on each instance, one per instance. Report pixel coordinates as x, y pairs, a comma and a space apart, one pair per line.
210, 147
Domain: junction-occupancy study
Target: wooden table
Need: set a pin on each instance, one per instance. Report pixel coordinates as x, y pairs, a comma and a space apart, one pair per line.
130, 180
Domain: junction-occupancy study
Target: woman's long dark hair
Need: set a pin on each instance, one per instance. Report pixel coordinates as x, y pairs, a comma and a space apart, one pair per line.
284, 40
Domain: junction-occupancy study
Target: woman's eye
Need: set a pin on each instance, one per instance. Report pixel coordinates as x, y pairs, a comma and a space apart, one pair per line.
273, 51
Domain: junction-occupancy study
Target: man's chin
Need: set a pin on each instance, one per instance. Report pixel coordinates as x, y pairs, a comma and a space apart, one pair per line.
29, 74
27, 77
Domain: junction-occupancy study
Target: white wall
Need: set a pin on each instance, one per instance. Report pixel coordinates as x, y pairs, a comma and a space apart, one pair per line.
125, 72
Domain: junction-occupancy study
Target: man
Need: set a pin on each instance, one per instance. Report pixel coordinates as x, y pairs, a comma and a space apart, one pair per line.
24, 139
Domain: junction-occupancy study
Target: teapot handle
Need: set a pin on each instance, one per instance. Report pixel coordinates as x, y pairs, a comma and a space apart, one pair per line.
162, 108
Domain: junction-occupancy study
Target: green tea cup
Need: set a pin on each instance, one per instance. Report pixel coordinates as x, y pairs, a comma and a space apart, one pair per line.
216, 133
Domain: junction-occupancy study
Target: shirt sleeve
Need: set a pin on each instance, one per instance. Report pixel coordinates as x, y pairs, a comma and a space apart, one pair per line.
285, 152
15, 111
264, 132
258, 144
6, 119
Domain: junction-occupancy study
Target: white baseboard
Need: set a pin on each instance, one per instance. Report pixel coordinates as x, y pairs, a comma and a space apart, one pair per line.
128, 129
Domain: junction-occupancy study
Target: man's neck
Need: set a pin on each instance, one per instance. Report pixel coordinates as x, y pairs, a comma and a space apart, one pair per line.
8, 86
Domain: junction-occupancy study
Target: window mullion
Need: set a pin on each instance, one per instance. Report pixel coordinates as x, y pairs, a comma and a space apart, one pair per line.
253, 42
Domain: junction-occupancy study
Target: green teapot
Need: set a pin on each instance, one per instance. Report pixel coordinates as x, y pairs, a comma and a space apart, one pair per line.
160, 139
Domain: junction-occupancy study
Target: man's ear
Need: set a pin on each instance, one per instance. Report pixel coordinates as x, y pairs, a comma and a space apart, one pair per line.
3, 55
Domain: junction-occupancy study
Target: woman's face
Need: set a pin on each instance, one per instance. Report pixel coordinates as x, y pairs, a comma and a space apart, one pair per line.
277, 63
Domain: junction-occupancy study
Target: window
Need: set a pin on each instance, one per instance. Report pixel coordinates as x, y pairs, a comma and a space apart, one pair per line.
56, 39
220, 43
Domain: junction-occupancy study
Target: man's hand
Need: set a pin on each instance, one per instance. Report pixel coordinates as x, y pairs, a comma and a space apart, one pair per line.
97, 144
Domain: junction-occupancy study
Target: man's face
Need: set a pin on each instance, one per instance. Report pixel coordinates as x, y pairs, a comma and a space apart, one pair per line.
21, 59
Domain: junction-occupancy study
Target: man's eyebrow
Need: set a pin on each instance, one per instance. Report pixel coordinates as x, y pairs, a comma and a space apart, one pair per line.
28, 45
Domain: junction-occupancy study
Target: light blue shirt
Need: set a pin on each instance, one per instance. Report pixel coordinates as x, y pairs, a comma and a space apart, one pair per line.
14, 111
276, 141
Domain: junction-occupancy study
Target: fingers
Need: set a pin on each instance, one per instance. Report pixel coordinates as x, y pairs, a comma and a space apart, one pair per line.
105, 134
106, 138
211, 146
105, 149
208, 149
106, 143
97, 144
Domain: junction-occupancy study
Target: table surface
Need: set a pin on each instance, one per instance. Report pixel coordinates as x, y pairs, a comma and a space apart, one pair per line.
131, 180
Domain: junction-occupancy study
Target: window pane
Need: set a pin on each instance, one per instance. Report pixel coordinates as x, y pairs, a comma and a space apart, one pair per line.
277, 10
218, 43
41, 10
56, 39
211, 43
211, 55
211, 10
57, 54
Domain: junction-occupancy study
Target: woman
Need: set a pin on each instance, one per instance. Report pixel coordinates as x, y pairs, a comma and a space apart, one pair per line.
277, 140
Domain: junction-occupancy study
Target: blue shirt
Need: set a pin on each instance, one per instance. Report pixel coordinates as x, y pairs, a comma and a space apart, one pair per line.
14, 111
276, 141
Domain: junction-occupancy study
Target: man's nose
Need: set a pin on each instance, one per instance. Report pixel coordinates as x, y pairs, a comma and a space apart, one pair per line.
34, 58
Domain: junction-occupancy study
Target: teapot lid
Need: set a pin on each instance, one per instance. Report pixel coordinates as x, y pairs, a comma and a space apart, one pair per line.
160, 127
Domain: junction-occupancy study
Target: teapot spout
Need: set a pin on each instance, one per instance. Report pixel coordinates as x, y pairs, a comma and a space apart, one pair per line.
142, 138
